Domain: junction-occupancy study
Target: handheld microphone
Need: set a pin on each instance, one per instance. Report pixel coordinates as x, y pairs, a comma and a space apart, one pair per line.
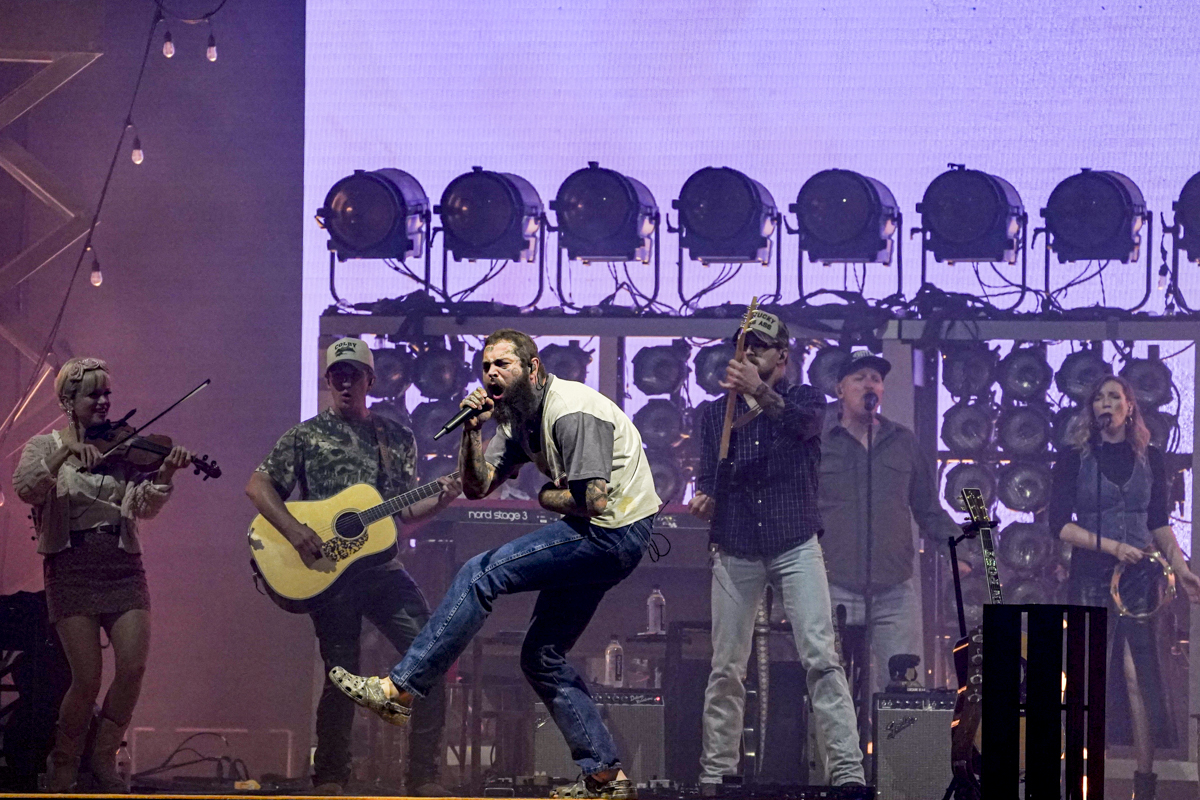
870, 400
458, 419
1103, 421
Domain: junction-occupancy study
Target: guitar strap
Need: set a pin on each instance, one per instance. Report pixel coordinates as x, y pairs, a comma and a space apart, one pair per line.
385, 455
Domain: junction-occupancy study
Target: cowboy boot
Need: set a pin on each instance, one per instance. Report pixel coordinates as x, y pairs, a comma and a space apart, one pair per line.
1144, 785
62, 765
104, 757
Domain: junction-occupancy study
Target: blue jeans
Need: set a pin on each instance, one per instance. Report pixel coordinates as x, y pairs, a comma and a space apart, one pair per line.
737, 586
572, 563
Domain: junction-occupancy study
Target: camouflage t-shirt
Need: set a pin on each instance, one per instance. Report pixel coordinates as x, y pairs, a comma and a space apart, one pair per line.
326, 454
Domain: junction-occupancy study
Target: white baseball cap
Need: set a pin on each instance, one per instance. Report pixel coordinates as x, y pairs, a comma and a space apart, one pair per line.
350, 349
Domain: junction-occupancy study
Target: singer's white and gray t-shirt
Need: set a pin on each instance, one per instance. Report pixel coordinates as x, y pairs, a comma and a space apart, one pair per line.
583, 435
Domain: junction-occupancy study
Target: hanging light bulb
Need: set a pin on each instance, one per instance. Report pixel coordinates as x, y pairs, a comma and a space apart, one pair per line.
211, 52
137, 155
97, 277
1163, 272
168, 45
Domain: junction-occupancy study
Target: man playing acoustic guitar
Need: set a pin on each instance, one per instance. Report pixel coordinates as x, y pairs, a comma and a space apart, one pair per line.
342, 446
601, 484
767, 531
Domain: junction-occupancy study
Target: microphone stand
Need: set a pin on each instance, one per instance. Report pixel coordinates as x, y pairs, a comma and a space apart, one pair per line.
869, 401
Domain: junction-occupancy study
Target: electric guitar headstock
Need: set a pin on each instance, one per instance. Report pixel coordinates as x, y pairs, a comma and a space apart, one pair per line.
747, 318
976, 507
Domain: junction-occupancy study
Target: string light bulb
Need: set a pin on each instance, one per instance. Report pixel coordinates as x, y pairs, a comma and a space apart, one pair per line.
97, 277
137, 155
1163, 272
168, 45
211, 52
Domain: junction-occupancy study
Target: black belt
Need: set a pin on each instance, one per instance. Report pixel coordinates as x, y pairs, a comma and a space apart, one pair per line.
106, 527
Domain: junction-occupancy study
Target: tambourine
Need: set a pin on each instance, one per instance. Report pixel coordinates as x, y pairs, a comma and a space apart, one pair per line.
1164, 598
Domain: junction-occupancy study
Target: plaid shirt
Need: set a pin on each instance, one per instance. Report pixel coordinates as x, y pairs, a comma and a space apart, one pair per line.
772, 496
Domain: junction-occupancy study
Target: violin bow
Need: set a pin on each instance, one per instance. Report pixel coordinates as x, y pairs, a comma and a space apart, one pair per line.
154, 419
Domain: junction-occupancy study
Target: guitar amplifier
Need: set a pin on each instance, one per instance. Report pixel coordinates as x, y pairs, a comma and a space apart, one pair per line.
912, 744
634, 718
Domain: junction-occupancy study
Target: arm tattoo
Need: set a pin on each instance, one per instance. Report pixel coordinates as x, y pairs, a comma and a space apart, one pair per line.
770, 400
477, 474
579, 499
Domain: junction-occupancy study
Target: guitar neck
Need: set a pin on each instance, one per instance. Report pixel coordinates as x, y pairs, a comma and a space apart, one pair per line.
989, 566
401, 501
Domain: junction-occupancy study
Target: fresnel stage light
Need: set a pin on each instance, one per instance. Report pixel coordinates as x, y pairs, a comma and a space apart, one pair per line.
491, 215
845, 217
726, 217
379, 214
1096, 216
968, 215
605, 216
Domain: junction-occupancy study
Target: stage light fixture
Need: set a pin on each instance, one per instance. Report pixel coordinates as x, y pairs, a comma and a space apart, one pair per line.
1079, 373
1151, 380
441, 374
846, 217
970, 215
668, 475
1060, 425
427, 419
491, 215
1024, 374
726, 217
661, 369
968, 370
1027, 548
967, 428
1095, 215
605, 216
710, 363
393, 372
969, 475
661, 424
1023, 431
1024, 485
569, 362
379, 214
824, 367
1187, 218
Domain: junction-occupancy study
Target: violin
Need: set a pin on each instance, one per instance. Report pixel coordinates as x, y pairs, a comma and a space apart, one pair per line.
145, 453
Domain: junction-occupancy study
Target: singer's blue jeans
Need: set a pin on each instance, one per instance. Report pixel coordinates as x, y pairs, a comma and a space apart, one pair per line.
572, 563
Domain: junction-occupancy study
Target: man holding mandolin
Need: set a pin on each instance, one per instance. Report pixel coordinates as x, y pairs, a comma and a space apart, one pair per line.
758, 486
340, 447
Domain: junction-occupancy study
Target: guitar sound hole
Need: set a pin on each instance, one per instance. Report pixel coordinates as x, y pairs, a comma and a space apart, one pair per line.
348, 525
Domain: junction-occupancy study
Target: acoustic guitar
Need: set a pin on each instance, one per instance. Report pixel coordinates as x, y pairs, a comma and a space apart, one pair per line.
356, 529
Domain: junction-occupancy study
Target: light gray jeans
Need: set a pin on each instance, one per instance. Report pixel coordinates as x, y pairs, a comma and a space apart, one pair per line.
895, 625
799, 579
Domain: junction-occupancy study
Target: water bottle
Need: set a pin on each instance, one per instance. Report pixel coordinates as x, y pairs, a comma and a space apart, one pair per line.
656, 607
124, 765
614, 664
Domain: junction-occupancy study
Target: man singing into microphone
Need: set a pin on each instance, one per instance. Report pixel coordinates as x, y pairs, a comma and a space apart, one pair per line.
600, 483
903, 489
768, 532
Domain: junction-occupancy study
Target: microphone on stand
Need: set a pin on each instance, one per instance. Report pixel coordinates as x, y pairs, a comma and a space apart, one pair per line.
870, 400
458, 419
1103, 421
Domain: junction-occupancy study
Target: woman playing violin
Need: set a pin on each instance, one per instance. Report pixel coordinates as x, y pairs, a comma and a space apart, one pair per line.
85, 507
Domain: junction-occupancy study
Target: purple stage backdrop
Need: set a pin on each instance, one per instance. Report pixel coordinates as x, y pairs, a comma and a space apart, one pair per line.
1029, 91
